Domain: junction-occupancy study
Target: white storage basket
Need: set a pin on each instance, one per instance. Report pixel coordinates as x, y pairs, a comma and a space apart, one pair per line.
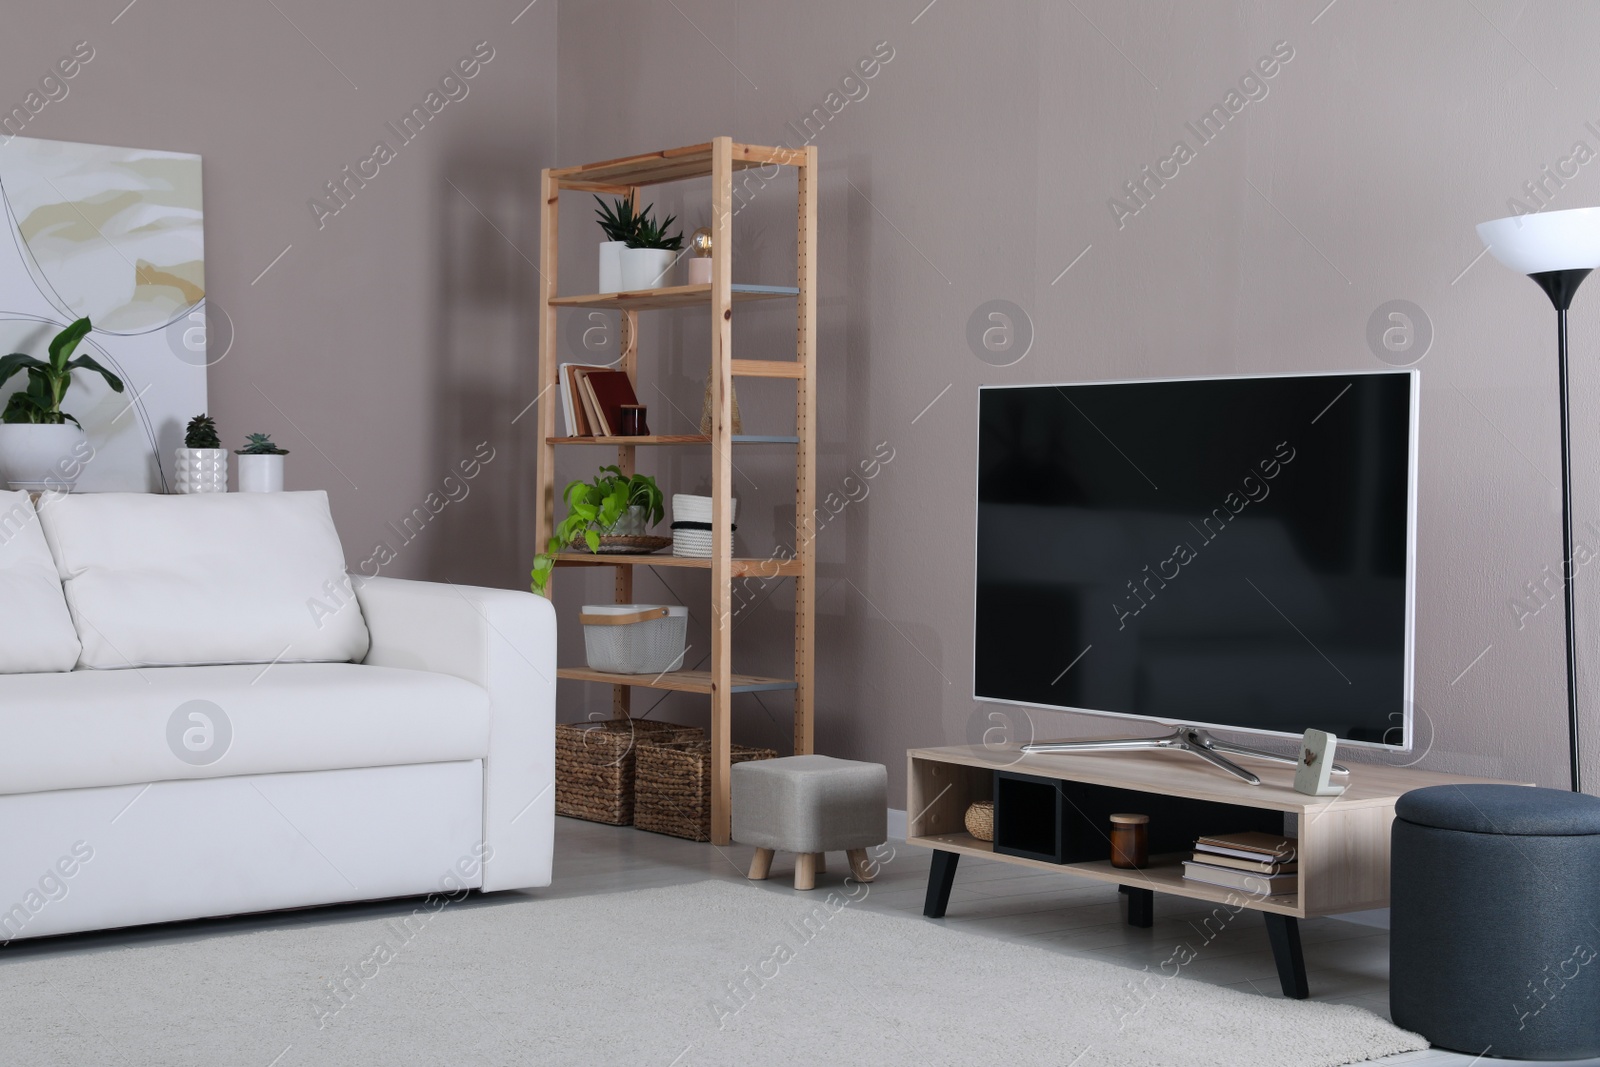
691, 525
634, 638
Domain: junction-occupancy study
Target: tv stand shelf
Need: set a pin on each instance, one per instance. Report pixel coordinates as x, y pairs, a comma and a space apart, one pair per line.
1343, 847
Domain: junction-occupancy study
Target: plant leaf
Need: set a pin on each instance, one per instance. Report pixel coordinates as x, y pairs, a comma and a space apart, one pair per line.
88, 363
63, 343
16, 361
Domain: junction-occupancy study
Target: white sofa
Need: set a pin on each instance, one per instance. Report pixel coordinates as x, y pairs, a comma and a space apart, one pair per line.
198, 718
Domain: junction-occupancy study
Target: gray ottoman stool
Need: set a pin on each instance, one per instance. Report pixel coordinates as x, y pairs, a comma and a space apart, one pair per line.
1494, 897
810, 805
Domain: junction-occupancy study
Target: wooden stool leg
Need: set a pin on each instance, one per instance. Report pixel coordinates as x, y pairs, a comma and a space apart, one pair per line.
805, 870
760, 864
822, 863
859, 866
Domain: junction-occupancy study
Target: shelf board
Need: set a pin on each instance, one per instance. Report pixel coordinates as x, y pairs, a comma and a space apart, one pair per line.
673, 296
677, 681
677, 439
1164, 874
671, 165
742, 568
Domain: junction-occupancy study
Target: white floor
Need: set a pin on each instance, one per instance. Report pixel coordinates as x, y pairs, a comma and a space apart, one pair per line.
1345, 962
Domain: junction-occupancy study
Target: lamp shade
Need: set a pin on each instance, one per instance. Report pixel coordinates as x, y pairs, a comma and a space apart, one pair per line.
1546, 241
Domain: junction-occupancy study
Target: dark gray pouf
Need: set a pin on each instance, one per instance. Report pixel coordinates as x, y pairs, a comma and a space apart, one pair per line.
1494, 944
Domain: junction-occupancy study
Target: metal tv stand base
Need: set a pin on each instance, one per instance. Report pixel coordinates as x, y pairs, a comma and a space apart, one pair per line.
1188, 739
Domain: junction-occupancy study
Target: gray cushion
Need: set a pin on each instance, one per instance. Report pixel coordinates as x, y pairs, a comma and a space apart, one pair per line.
810, 804
1501, 809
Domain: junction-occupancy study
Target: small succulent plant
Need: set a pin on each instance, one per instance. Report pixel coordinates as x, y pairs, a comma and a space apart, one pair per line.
648, 233
202, 433
260, 444
617, 219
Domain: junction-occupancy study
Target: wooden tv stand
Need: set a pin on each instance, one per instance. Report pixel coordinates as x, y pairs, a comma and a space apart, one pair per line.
1343, 841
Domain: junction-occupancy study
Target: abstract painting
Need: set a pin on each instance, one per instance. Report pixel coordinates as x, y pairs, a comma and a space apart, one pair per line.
116, 234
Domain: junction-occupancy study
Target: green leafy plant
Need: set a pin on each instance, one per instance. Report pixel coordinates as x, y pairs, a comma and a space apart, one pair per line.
260, 444
593, 508
48, 380
650, 234
618, 221
201, 433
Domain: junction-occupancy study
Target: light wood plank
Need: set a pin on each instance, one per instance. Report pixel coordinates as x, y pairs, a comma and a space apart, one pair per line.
672, 164
768, 368
721, 487
805, 485
672, 296
679, 681
740, 567
622, 577
545, 468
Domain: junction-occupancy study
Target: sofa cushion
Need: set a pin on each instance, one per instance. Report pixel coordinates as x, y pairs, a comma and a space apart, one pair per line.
99, 728
205, 578
36, 631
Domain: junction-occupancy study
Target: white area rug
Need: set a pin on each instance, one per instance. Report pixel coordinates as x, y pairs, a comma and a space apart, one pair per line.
706, 974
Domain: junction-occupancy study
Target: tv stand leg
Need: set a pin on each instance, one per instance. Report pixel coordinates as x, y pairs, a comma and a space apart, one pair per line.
1284, 933
941, 876
1141, 906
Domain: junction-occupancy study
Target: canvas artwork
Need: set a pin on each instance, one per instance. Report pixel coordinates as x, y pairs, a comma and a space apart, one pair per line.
115, 234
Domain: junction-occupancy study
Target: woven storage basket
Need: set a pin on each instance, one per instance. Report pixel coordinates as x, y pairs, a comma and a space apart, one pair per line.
595, 765
672, 789
980, 820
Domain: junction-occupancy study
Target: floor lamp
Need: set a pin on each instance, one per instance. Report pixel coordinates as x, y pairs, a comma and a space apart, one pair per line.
1557, 249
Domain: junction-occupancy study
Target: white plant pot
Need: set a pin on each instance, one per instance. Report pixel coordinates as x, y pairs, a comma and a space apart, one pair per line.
611, 266
646, 268
38, 458
202, 470
260, 474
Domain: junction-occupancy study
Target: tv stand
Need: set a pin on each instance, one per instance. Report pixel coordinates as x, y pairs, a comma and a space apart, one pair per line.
1059, 821
1182, 739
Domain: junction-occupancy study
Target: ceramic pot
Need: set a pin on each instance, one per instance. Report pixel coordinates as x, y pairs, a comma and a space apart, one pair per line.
202, 470
646, 268
699, 271
42, 457
260, 474
611, 266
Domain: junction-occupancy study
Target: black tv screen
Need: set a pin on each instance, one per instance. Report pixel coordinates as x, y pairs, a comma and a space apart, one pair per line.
1227, 552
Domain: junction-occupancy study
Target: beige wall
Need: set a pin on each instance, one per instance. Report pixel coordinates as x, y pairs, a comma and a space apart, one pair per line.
383, 347
981, 163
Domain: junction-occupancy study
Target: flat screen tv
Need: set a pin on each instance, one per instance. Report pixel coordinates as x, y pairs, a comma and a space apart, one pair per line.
1236, 553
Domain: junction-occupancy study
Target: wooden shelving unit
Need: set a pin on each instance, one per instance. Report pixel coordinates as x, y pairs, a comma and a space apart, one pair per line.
717, 160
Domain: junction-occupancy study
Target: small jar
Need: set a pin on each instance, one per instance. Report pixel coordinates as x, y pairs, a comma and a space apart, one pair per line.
1130, 840
633, 424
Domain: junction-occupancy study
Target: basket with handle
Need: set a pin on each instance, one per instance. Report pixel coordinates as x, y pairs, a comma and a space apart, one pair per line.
634, 638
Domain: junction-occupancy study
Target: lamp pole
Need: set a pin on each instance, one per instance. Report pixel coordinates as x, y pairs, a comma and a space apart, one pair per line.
1561, 286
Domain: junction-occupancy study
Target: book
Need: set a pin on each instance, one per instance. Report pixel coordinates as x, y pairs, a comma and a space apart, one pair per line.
1267, 885
611, 390
1217, 859
591, 408
1252, 844
572, 411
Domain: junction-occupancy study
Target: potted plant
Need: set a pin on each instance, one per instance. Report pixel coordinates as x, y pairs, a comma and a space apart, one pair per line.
610, 513
617, 222
41, 446
202, 461
651, 251
260, 465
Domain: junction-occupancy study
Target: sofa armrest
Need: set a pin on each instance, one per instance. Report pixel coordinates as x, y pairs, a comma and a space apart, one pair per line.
504, 641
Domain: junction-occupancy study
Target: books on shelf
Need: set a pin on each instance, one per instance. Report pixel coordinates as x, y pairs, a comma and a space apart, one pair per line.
1259, 884
1253, 862
592, 398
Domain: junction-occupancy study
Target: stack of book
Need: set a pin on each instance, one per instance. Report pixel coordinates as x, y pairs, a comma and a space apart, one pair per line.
592, 399
1254, 862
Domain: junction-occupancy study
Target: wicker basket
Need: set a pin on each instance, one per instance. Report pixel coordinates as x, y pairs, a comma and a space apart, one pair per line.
980, 820
672, 790
595, 765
